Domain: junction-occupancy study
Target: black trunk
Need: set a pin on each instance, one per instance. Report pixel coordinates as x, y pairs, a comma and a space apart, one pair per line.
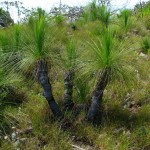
95, 112
68, 83
42, 72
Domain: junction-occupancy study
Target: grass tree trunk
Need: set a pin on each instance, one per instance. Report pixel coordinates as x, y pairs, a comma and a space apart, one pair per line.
95, 112
44, 81
68, 82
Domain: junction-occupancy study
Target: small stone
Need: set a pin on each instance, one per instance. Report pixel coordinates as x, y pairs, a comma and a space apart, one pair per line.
28, 131
19, 131
132, 104
29, 123
5, 137
135, 31
102, 136
120, 130
23, 140
143, 55
13, 136
73, 137
45, 146
16, 144
125, 106
128, 133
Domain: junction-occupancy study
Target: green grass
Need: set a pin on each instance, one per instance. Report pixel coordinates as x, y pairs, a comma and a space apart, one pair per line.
126, 109
145, 45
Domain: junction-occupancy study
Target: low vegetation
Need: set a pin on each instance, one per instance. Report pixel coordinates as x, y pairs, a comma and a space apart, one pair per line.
76, 85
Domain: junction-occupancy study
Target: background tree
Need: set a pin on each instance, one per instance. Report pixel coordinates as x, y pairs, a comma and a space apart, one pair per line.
71, 13
126, 16
97, 11
70, 65
5, 18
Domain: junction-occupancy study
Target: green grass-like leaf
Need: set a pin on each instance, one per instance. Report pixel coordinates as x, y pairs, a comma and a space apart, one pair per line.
109, 53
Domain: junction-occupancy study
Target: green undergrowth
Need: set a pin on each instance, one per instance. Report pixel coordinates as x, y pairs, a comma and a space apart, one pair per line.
125, 123
25, 112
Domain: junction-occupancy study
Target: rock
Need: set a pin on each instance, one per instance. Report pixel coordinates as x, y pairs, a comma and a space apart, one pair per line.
29, 123
128, 133
5, 137
18, 131
120, 130
101, 136
13, 136
16, 144
13, 128
132, 104
135, 31
23, 140
46, 146
73, 138
28, 131
143, 55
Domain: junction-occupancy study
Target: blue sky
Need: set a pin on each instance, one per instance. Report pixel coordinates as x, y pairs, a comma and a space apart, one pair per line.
47, 4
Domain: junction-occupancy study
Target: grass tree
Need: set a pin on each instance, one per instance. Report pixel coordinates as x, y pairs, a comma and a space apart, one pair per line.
35, 56
17, 36
104, 15
93, 11
110, 61
98, 12
69, 61
41, 58
126, 15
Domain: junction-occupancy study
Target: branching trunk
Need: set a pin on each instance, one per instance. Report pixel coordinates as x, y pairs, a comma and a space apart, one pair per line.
68, 81
42, 72
95, 112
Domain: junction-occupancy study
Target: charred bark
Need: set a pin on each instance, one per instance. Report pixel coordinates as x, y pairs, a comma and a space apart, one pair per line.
68, 83
95, 110
42, 72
